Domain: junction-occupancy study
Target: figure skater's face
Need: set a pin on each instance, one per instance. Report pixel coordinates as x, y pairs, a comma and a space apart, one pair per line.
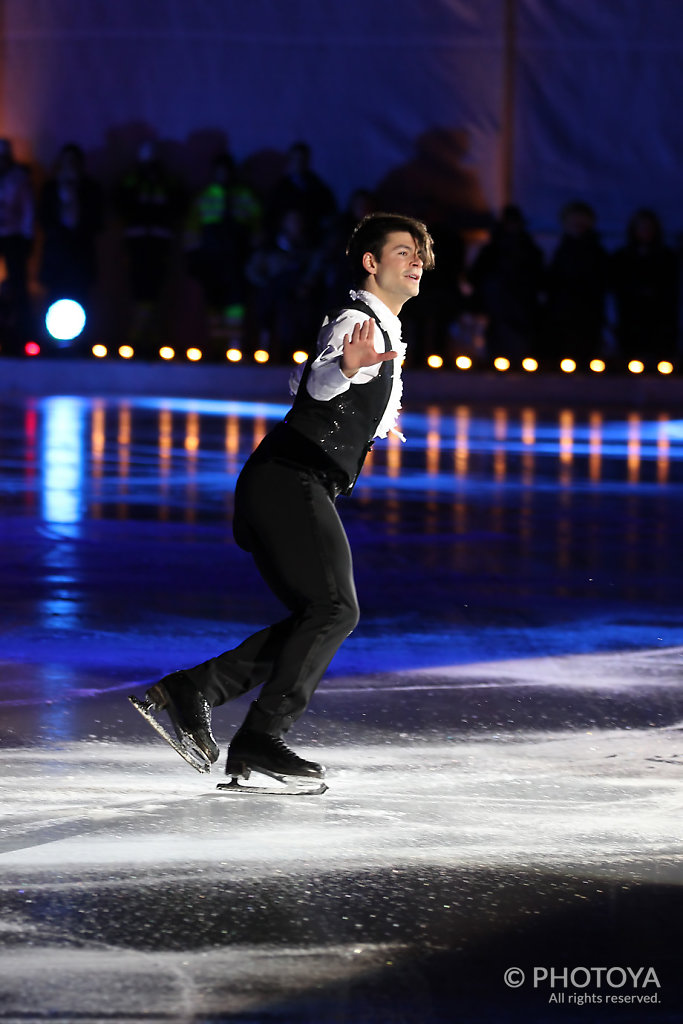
395, 276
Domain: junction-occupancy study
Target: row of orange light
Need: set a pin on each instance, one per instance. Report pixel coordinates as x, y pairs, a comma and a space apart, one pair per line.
502, 363
233, 355
436, 362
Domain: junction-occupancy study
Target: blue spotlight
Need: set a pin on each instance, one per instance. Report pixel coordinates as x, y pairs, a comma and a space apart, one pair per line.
65, 319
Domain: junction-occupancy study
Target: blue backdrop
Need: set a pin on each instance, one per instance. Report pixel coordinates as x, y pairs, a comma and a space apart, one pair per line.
459, 102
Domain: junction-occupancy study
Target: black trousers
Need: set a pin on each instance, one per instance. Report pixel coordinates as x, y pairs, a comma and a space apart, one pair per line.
286, 517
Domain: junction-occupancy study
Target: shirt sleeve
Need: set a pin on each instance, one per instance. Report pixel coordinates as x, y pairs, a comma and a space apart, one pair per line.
326, 380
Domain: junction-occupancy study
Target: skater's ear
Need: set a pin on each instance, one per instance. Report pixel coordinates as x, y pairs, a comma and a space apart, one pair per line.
369, 263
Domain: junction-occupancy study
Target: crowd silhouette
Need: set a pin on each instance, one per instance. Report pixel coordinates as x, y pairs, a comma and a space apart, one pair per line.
268, 263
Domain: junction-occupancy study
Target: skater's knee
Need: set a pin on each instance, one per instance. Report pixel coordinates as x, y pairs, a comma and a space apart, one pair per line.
346, 616
339, 616
354, 615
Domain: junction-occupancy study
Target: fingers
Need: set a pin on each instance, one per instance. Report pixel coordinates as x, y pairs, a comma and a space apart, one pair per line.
361, 334
359, 349
367, 332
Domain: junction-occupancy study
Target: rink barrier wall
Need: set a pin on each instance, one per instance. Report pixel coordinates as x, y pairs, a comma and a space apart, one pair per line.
23, 378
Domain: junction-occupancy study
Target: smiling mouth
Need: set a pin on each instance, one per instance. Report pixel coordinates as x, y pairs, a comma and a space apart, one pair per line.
413, 277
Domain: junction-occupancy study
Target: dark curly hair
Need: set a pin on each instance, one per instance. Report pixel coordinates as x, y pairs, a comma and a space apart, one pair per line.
371, 233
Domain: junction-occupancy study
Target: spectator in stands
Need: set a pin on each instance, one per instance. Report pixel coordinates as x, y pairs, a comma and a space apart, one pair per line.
644, 281
506, 277
150, 203
71, 216
430, 321
286, 284
576, 287
302, 189
16, 238
335, 273
222, 228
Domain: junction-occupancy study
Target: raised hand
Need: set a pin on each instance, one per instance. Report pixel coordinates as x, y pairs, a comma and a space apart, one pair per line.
359, 349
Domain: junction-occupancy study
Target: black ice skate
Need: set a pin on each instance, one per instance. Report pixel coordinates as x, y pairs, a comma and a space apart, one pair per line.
190, 716
252, 751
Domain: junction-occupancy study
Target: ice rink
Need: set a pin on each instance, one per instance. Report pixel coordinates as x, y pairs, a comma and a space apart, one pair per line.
501, 839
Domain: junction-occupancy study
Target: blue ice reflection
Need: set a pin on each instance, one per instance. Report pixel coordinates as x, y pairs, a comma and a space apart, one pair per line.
63, 459
216, 406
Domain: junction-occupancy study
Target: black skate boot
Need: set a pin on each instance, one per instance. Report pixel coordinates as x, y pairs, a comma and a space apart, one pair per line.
190, 715
252, 751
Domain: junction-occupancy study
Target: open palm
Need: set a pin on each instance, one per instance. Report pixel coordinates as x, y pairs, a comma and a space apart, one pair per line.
359, 349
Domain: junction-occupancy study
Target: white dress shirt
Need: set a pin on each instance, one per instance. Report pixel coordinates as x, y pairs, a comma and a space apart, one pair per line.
326, 380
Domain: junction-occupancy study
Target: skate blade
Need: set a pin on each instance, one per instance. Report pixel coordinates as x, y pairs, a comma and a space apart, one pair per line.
194, 756
287, 785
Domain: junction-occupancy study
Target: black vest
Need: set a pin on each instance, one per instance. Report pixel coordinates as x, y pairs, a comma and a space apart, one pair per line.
344, 426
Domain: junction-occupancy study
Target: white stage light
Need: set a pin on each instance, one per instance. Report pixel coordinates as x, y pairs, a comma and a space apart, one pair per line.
65, 319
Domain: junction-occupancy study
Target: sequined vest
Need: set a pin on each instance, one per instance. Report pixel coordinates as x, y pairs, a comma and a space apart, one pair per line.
344, 426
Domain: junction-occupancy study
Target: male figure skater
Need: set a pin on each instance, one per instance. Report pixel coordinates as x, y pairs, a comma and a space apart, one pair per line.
348, 394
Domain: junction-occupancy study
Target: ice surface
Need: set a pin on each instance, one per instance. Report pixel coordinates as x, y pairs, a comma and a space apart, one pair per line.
503, 733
